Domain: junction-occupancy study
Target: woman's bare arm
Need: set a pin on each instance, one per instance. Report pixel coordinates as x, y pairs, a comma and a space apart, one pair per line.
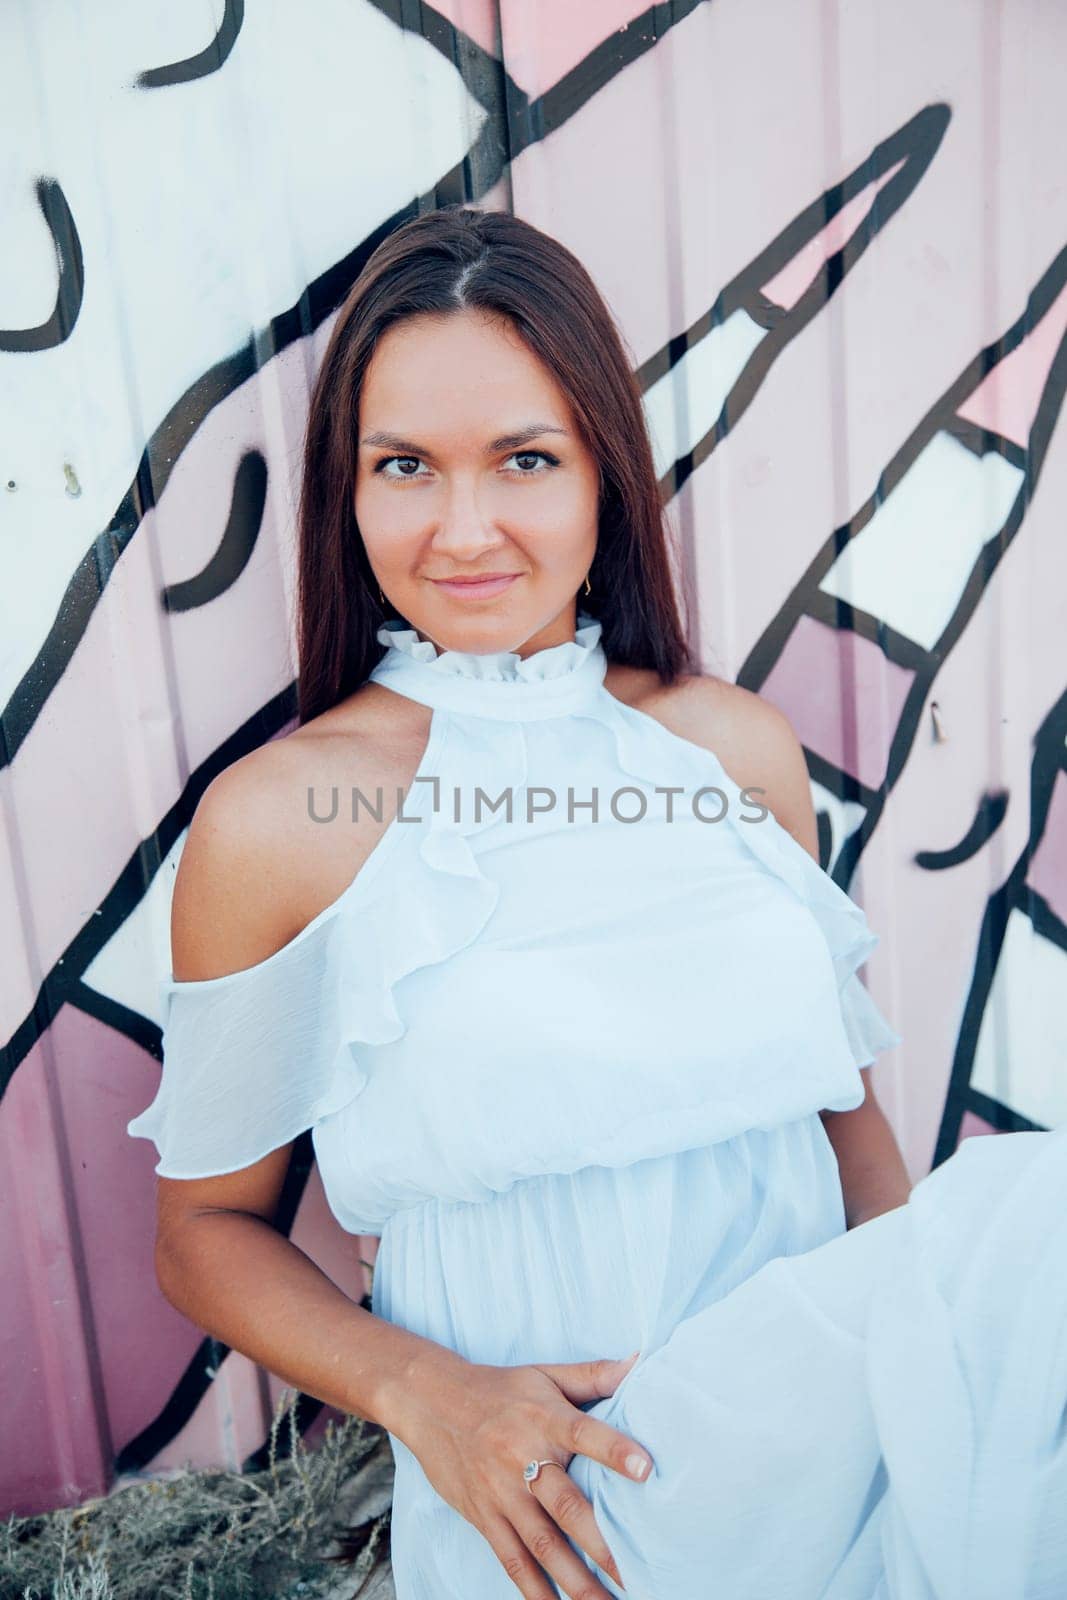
873, 1175
233, 1275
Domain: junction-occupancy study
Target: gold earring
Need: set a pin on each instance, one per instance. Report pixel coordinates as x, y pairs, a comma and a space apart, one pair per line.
588, 590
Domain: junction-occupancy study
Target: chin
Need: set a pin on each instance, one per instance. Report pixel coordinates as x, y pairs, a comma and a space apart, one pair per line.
490, 631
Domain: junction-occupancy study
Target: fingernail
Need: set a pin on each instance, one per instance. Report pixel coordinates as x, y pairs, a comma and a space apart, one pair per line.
637, 1466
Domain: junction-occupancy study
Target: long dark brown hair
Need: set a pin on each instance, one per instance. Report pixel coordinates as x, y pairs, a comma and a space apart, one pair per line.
449, 260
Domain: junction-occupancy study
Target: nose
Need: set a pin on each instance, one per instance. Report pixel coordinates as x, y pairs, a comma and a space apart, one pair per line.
463, 530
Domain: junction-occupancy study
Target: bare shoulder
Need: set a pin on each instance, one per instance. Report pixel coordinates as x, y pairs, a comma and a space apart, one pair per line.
274, 839
753, 739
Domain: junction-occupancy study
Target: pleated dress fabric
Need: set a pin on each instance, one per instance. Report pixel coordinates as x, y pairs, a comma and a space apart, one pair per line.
562, 1044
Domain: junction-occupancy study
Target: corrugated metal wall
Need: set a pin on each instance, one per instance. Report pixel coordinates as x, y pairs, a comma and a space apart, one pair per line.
835, 237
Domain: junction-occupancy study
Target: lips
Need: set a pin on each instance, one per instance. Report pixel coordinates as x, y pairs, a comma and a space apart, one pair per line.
484, 586
483, 577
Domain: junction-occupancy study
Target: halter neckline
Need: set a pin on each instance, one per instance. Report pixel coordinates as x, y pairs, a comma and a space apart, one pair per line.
500, 683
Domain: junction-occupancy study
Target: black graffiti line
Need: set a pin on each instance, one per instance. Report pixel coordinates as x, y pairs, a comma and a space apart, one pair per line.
206, 61
991, 811
807, 599
941, 417
1014, 894
474, 175
529, 121
180, 1405
842, 785
991, 937
900, 746
70, 292
834, 611
238, 540
911, 147
915, 144
996, 1113
978, 582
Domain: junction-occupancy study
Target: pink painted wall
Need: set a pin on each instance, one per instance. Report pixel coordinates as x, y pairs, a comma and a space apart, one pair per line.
835, 238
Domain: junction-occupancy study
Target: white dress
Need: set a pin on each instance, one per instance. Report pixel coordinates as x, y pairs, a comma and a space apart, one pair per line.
568, 1064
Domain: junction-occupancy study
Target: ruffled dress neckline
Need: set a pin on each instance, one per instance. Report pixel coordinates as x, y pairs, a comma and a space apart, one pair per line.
554, 682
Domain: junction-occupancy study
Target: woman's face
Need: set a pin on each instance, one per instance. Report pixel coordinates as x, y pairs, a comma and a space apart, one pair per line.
470, 463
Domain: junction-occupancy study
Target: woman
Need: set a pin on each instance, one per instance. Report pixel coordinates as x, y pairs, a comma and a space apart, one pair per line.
575, 1018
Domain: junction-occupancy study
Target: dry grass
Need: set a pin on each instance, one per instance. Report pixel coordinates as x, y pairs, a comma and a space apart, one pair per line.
270, 1535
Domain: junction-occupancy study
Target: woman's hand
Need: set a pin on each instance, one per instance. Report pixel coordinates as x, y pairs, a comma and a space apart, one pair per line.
474, 1427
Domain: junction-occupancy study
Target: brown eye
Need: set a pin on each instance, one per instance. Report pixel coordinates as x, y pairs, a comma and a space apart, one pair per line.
388, 461
534, 455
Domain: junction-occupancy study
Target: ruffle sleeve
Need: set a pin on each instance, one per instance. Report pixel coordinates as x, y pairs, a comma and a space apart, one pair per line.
251, 1059
867, 1029
848, 934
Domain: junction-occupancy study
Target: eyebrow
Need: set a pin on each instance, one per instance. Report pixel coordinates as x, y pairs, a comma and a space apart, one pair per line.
506, 441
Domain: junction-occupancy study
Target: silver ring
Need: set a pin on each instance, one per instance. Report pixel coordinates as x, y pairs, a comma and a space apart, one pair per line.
532, 1470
